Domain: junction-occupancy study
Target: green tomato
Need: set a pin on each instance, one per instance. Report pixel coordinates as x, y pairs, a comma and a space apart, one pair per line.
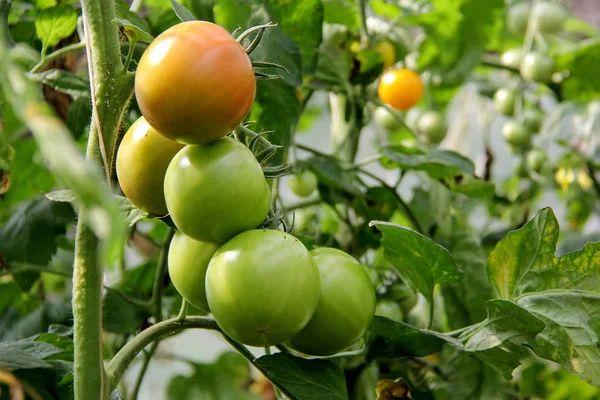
537, 67
512, 58
216, 190
433, 126
548, 17
262, 287
516, 135
532, 119
142, 160
303, 184
518, 18
345, 309
389, 309
412, 117
404, 296
386, 119
504, 101
521, 166
536, 160
188, 261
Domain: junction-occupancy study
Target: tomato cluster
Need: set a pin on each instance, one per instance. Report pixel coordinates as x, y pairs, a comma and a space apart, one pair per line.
263, 286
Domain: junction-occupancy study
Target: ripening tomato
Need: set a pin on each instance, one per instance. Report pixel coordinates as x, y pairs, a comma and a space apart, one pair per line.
512, 58
303, 184
195, 83
345, 309
518, 18
548, 17
262, 287
537, 67
433, 125
400, 88
216, 190
188, 262
142, 161
505, 100
387, 51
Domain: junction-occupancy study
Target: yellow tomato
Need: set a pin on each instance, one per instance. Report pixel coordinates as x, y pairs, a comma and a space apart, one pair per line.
400, 88
388, 52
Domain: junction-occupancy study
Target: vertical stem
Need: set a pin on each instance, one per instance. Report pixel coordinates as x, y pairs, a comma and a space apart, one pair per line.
362, 9
87, 307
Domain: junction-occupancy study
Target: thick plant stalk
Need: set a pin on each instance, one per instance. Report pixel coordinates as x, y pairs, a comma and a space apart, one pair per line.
111, 89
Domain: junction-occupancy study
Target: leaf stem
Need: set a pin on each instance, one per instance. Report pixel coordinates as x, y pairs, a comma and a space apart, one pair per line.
144, 368
161, 269
130, 52
19, 268
352, 353
58, 53
364, 32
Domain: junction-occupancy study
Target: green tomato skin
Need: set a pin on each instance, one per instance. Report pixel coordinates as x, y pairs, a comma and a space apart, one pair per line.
389, 309
142, 160
518, 18
345, 309
216, 190
412, 117
303, 184
188, 262
262, 287
537, 67
386, 119
433, 126
548, 17
504, 101
516, 135
536, 160
512, 58
532, 119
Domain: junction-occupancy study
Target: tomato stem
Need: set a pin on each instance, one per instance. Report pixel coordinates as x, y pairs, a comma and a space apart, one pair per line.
248, 31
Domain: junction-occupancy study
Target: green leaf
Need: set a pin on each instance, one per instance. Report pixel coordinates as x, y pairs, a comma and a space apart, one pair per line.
34, 321
55, 23
302, 21
331, 174
65, 82
121, 315
224, 379
125, 14
496, 339
343, 12
183, 13
26, 354
133, 32
524, 261
581, 85
30, 233
475, 188
570, 337
419, 261
305, 379
389, 339
436, 163
232, 13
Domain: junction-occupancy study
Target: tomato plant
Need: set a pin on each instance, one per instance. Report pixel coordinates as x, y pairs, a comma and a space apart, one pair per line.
262, 287
352, 199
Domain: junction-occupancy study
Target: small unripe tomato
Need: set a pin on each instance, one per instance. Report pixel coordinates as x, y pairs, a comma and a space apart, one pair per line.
303, 184
518, 18
216, 190
195, 83
433, 125
537, 67
412, 117
387, 51
532, 119
262, 287
548, 17
386, 119
142, 161
505, 100
536, 160
400, 88
345, 308
389, 309
512, 58
188, 262
516, 135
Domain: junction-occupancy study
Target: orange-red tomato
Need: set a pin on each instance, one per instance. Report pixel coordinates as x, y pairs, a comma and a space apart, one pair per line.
195, 83
142, 162
400, 88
